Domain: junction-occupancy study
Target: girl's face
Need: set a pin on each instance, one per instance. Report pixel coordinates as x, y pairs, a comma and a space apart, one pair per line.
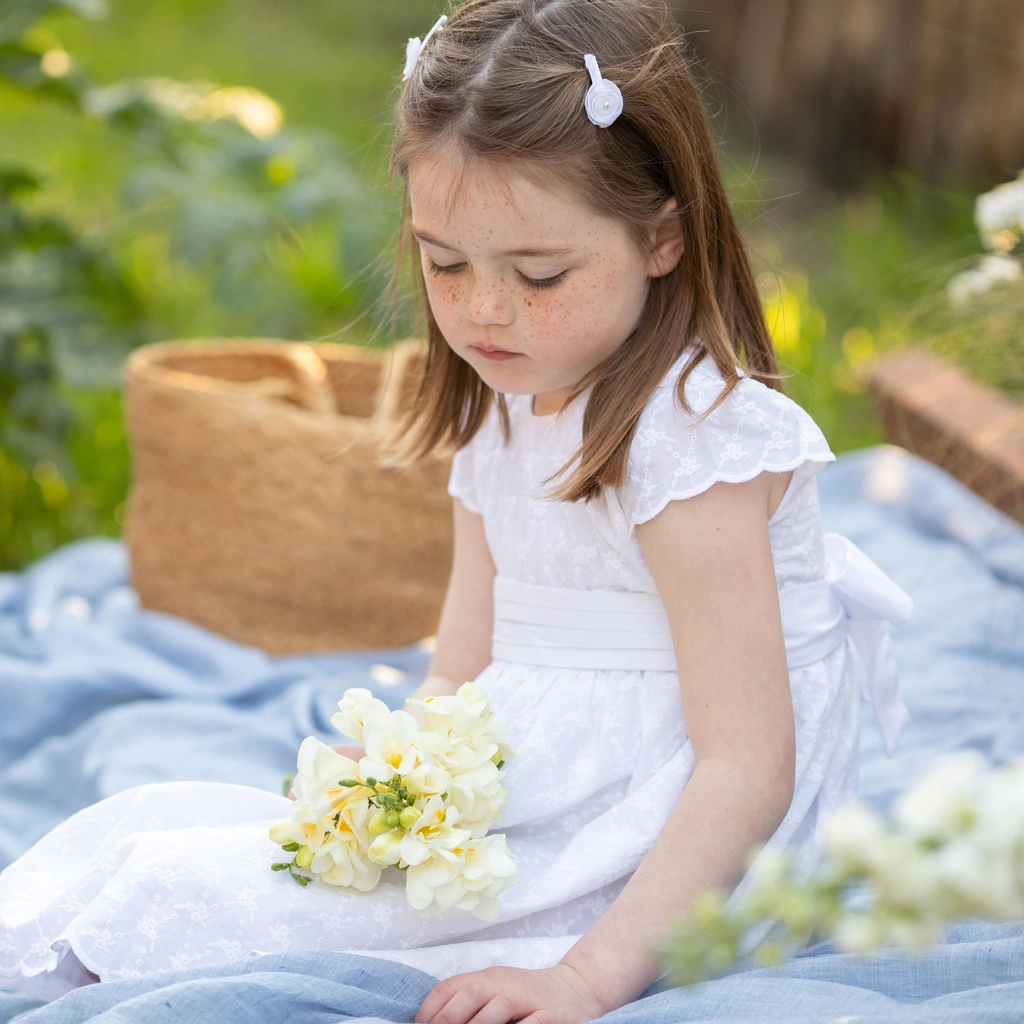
527, 284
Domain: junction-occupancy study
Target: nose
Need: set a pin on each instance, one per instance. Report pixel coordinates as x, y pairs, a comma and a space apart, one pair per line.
486, 305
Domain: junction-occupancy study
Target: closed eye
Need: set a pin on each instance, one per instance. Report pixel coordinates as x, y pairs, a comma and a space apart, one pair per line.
440, 268
541, 282
535, 283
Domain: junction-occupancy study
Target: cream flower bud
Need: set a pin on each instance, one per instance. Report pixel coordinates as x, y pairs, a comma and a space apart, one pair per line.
409, 816
378, 823
386, 848
282, 832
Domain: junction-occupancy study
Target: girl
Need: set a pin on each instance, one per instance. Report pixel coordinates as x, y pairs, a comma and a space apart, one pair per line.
640, 579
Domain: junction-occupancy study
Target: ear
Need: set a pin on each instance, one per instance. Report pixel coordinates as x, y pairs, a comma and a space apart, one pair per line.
665, 236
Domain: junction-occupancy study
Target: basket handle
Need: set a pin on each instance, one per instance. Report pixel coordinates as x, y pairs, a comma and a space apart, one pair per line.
311, 388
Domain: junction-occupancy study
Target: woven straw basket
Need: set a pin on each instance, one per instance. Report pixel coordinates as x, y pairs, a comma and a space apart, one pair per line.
259, 507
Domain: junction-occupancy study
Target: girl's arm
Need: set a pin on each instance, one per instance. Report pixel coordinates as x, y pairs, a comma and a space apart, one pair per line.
467, 616
711, 560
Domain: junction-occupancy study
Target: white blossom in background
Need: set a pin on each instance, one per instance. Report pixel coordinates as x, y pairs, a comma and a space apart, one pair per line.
941, 806
418, 801
999, 216
969, 284
954, 849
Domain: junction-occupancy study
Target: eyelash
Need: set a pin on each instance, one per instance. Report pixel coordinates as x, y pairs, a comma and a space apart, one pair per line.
530, 282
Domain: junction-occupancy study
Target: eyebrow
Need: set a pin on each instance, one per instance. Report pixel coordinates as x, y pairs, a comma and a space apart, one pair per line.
553, 250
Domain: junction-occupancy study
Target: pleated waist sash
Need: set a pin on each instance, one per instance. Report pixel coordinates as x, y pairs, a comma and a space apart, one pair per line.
602, 629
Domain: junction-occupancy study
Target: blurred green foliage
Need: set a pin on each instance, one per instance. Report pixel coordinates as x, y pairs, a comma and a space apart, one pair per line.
181, 209
45, 505
884, 285
847, 277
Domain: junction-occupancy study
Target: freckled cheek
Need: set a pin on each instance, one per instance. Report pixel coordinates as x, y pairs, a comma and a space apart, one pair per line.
576, 320
447, 300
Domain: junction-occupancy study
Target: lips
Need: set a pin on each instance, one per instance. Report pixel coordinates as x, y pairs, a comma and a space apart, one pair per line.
497, 355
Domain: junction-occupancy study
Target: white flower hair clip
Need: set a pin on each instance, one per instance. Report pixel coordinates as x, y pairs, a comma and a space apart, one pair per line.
414, 48
604, 98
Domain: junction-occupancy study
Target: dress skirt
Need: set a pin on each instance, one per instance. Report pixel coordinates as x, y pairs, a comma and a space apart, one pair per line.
177, 874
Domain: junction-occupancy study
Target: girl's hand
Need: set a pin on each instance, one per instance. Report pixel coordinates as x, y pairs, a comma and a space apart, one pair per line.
556, 995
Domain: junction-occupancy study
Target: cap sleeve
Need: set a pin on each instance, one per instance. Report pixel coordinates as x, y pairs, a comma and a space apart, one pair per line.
676, 454
462, 481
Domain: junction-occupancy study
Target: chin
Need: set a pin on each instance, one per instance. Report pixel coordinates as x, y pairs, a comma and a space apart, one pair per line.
505, 378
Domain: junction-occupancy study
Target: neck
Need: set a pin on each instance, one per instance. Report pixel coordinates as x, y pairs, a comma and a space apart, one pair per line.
549, 402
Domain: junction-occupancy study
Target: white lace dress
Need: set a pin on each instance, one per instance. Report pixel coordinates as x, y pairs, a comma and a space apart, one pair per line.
178, 874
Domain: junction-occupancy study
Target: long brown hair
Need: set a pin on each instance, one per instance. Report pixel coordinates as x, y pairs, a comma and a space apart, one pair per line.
505, 81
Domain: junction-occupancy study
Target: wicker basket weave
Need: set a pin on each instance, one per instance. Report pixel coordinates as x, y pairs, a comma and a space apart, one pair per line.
259, 508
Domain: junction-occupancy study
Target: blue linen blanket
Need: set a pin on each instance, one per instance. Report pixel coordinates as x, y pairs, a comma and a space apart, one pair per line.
97, 695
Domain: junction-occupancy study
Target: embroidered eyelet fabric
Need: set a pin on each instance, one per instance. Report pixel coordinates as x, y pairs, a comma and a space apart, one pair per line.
674, 455
178, 874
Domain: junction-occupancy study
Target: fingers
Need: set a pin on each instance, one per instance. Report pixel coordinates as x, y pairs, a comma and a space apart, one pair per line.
539, 1017
462, 1006
500, 1010
471, 1002
436, 998
469, 1007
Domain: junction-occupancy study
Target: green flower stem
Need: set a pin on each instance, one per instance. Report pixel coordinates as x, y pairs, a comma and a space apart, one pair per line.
290, 867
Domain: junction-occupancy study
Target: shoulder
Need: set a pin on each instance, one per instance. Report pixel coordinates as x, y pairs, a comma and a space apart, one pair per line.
678, 454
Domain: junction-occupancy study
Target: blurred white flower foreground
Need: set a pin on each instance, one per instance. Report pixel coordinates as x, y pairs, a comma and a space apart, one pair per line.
999, 216
955, 849
419, 801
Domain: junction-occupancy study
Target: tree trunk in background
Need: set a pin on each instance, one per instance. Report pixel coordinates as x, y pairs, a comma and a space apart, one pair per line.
933, 85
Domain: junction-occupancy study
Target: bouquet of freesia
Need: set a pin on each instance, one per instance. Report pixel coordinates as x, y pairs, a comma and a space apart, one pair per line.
419, 801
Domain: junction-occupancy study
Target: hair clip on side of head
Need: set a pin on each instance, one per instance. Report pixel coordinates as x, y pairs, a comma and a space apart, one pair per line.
415, 46
604, 98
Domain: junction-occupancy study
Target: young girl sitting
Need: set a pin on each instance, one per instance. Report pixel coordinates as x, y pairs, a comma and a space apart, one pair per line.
640, 582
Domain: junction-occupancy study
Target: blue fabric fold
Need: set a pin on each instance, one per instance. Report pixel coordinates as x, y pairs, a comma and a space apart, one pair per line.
97, 695
976, 978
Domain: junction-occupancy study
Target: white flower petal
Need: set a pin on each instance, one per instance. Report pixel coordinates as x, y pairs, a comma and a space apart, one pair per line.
356, 709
